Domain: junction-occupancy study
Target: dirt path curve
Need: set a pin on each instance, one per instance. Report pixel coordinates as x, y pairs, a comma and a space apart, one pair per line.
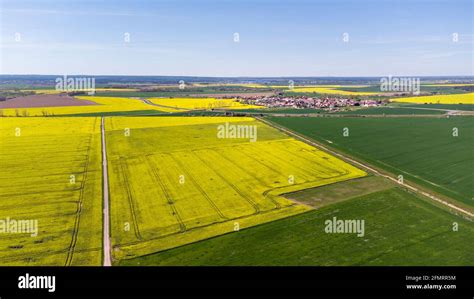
105, 179
148, 102
345, 158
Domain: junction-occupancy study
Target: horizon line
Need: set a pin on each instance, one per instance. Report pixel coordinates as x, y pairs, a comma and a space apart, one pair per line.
237, 77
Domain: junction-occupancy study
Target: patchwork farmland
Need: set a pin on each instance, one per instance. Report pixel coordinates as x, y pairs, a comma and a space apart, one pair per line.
200, 103
181, 193
173, 181
240, 148
94, 104
405, 228
402, 230
103, 104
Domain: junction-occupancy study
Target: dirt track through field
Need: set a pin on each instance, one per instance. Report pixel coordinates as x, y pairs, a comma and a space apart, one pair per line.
107, 261
148, 102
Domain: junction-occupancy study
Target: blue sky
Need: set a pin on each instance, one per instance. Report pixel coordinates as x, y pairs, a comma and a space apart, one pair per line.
276, 38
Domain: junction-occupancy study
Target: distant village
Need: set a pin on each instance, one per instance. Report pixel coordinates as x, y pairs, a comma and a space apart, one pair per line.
329, 103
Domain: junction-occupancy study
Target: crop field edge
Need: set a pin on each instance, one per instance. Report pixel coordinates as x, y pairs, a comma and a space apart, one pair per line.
309, 209
347, 156
441, 208
295, 209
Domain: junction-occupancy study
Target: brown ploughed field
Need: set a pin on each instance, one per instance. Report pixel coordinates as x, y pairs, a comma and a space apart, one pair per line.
51, 100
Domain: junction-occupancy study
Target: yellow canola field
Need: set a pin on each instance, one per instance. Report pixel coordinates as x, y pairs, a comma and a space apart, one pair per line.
200, 103
177, 180
330, 90
117, 104
144, 122
464, 98
50, 178
105, 104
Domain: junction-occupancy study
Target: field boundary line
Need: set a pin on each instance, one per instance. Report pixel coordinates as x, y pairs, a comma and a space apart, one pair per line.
293, 205
107, 261
348, 159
